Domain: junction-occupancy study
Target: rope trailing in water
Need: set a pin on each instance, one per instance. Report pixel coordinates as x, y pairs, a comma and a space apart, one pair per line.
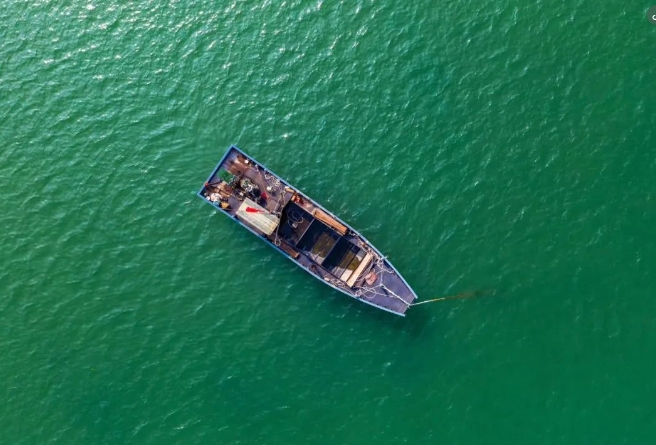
457, 297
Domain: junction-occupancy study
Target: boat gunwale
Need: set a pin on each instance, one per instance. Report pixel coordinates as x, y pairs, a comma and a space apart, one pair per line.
268, 242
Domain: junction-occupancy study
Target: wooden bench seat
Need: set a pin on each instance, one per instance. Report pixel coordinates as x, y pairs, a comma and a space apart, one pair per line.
329, 221
289, 249
363, 265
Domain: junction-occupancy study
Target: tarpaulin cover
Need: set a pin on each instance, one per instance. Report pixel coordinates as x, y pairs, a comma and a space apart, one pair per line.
257, 217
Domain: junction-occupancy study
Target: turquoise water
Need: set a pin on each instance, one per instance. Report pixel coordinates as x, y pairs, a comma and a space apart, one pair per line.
494, 145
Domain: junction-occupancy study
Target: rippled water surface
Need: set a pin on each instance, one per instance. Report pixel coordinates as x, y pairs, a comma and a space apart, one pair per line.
500, 145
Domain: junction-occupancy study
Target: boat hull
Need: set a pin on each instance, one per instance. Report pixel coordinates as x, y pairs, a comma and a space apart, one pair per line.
305, 232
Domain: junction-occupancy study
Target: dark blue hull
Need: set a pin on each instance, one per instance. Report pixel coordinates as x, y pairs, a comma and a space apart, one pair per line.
305, 232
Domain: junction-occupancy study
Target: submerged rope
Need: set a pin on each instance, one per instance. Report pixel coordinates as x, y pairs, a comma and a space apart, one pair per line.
457, 297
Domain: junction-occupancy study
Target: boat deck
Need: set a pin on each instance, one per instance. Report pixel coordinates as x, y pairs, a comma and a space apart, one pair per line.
276, 194
393, 294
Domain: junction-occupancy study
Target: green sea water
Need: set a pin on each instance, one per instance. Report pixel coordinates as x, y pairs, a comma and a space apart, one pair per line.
480, 145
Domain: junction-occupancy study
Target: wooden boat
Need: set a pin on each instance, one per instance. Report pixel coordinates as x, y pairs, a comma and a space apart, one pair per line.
305, 232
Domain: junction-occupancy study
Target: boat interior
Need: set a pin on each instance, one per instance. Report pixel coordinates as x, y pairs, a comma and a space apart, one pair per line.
333, 252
